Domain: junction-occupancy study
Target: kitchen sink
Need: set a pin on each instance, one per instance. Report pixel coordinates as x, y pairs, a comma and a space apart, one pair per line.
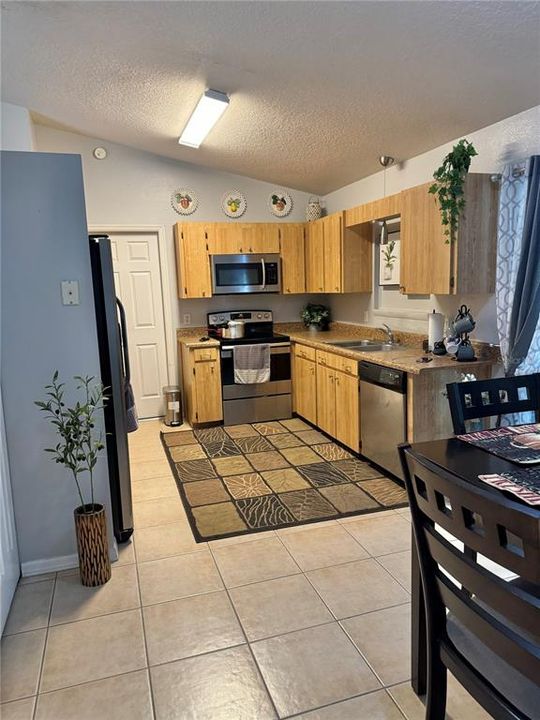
364, 345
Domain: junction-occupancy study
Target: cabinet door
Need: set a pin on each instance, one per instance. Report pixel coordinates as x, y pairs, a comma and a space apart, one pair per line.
305, 389
315, 257
332, 231
293, 266
207, 380
425, 255
192, 261
326, 399
347, 410
227, 239
261, 238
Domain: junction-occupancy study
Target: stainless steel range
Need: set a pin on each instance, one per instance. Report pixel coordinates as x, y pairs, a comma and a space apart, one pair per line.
259, 401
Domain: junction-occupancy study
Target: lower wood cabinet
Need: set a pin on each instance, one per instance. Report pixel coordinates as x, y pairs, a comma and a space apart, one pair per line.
305, 389
325, 391
201, 372
338, 402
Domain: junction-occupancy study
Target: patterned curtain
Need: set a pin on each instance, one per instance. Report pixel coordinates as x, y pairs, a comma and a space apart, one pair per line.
513, 198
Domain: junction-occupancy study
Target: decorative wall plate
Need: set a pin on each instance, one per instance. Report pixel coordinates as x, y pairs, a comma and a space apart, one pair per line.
184, 201
280, 203
234, 204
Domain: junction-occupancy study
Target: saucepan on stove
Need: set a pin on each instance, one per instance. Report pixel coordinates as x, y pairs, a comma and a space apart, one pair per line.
235, 329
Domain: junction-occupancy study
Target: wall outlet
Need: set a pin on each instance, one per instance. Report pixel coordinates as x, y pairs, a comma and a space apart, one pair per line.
366, 316
187, 318
70, 292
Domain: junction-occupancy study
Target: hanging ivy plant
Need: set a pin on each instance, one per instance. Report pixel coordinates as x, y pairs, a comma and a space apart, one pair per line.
448, 186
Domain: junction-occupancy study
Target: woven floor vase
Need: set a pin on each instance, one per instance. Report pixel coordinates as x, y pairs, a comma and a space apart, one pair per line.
92, 545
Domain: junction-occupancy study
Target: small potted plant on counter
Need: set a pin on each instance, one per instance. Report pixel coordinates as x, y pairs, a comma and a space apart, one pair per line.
78, 450
316, 317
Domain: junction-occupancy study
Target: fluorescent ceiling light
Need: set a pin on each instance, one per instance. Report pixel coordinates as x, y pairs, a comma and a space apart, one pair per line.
209, 109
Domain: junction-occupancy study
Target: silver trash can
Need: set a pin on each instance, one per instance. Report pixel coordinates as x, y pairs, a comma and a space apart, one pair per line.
173, 405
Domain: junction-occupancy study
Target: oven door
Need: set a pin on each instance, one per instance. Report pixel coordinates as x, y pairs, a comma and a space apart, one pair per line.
232, 274
280, 374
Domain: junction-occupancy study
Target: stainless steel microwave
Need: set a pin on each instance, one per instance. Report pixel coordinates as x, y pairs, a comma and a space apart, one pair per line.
232, 274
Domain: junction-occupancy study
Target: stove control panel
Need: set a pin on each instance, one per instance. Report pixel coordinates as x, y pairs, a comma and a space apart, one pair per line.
251, 316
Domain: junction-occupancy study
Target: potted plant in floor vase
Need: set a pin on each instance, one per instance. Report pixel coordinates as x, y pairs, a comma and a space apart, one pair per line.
78, 449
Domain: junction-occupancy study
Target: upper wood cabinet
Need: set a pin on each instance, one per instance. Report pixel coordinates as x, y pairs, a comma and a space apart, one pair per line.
244, 238
292, 251
376, 210
338, 259
430, 264
314, 257
192, 263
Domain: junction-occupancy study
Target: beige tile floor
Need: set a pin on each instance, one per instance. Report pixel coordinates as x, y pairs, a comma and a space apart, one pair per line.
308, 622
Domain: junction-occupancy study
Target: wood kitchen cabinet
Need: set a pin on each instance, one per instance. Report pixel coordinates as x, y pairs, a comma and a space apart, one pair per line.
244, 238
305, 382
338, 259
293, 264
192, 262
338, 402
430, 264
385, 207
201, 372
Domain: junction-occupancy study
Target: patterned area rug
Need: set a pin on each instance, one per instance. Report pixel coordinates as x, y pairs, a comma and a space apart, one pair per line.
248, 478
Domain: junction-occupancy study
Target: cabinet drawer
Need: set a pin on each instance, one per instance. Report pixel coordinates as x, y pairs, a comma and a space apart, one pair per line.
347, 365
204, 355
328, 359
304, 351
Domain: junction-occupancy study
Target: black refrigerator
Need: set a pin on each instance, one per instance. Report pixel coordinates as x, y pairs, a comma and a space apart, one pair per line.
115, 374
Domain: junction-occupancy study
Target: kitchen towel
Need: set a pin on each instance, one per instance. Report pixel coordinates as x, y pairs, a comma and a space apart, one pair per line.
251, 364
131, 410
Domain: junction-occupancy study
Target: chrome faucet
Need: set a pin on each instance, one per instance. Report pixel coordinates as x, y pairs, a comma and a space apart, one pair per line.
389, 334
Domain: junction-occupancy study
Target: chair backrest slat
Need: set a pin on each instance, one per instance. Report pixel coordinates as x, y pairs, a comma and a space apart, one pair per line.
518, 652
487, 588
490, 398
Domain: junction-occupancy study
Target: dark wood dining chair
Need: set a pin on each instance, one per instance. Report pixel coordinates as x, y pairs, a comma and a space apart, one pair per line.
494, 397
484, 629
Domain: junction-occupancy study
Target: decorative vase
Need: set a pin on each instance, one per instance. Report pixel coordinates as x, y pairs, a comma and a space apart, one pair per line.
92, 544
314, 328
313, 210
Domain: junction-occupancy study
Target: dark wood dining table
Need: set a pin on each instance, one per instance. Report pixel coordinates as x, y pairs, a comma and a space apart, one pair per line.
467, 462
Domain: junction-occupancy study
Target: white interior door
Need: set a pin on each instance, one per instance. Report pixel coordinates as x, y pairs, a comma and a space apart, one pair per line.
138, 285
9, 554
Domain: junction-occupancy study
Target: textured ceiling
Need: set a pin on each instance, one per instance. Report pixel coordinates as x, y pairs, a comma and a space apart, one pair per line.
318, 89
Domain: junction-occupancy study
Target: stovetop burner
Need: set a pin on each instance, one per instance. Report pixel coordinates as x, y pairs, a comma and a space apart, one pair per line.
255, 340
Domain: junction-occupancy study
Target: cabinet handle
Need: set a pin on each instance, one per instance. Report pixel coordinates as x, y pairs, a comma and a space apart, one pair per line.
240, 249
320, 289
337, 289
204, 293
185, 291
337, 380
288, 290
250, 250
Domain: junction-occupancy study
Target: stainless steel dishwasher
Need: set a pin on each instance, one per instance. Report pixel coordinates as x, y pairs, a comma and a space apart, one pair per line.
383, 414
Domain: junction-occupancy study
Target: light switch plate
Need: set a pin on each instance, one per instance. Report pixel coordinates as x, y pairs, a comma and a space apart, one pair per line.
70, 292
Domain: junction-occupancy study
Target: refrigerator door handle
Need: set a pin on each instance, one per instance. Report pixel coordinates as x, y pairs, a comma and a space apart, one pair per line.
123, 334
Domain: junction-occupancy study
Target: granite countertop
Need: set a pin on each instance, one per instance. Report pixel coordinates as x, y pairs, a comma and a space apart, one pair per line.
191, 337
403, 358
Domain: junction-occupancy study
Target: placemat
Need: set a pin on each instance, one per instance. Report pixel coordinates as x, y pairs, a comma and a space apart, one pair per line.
522, 482
519, 443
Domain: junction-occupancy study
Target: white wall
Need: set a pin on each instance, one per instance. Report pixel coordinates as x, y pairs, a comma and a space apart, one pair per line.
510, 140
17, 129
135, 187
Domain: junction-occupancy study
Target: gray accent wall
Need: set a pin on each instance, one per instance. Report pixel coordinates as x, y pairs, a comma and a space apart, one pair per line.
44, 241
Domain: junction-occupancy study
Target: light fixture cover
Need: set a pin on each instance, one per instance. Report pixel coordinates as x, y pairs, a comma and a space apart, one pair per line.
209, 109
